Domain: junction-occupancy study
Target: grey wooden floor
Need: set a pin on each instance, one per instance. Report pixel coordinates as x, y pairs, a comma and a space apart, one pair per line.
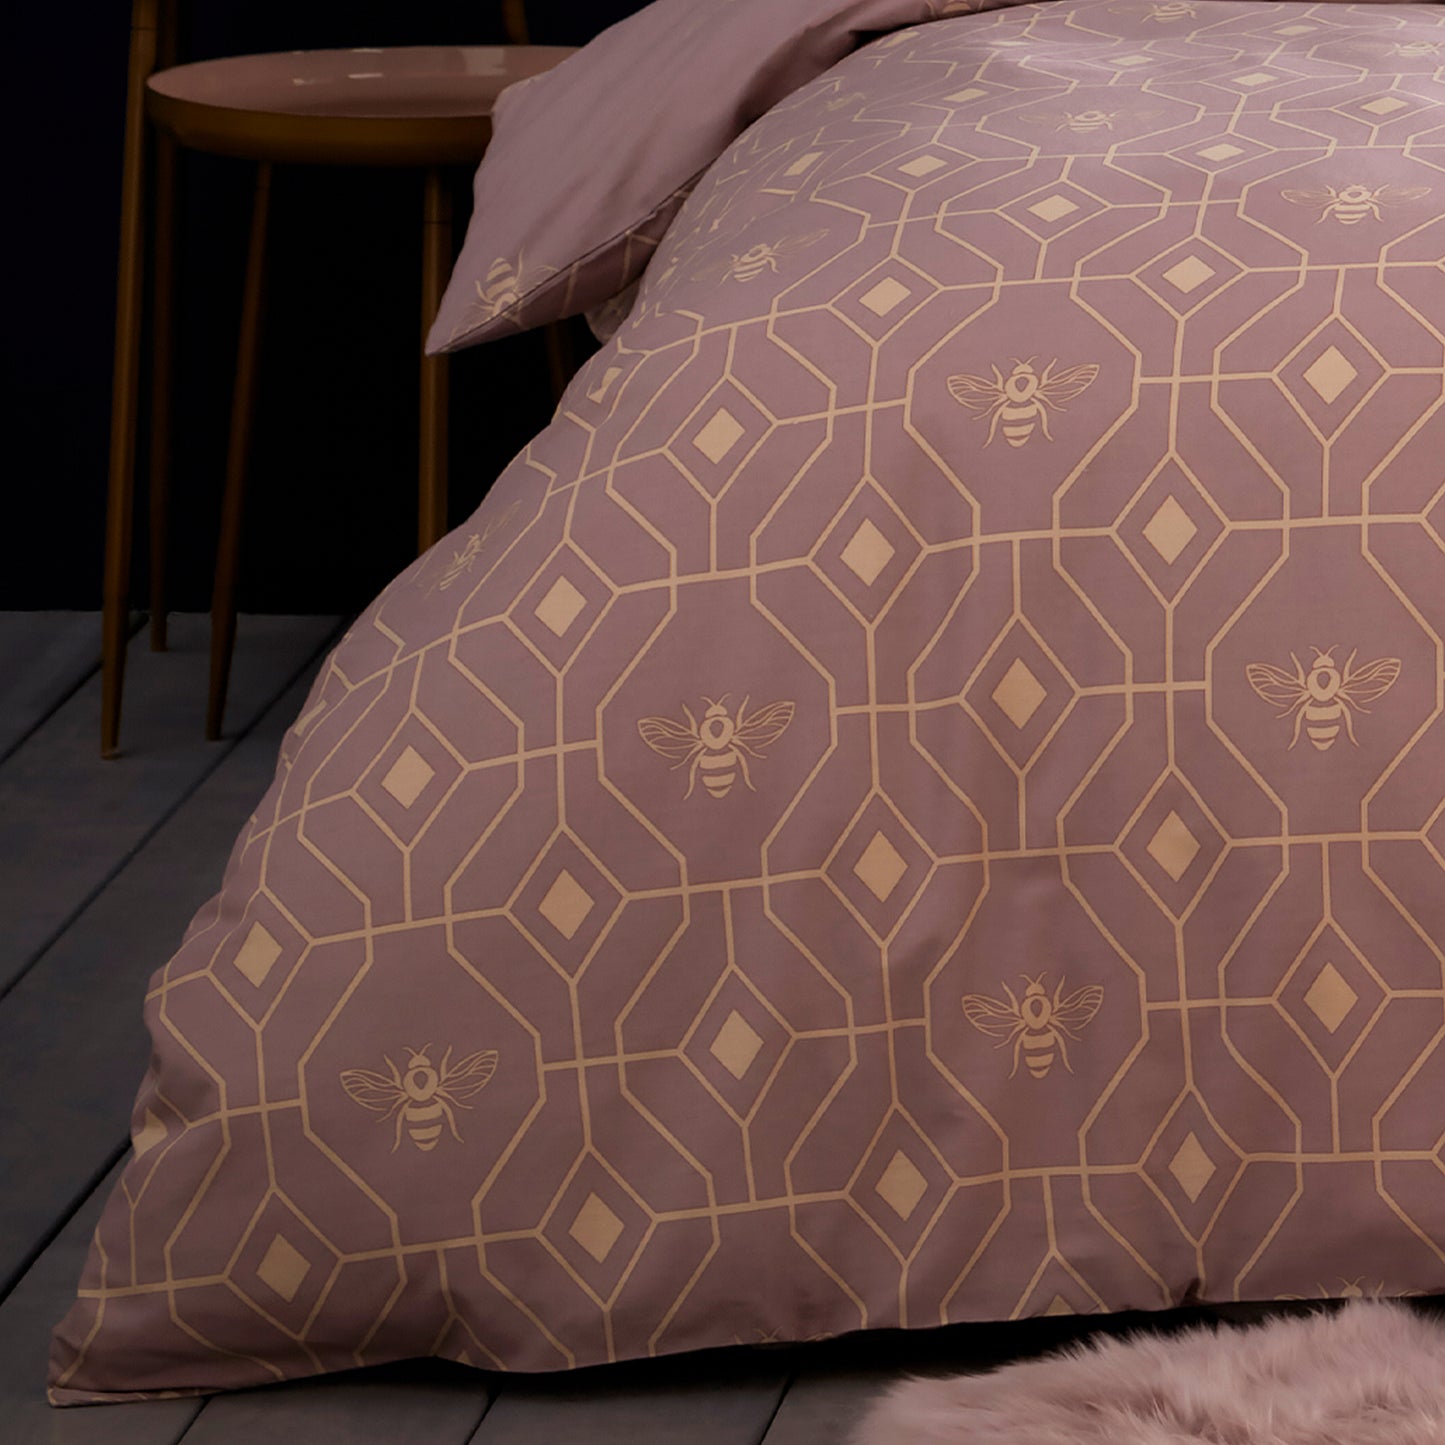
101, 867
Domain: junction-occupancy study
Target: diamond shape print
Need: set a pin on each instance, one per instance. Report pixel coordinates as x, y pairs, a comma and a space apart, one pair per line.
924, 165
1192, 1164
566, 903
1332, 996
1052, 211
712, 445
556, 612
1173, 845
1192, 1167
560, 607
867, 553
886, 296
282, 1264
1329, 375
597, 1227
408, 776
879, 867
736, 1043
411, 777
1185, 278
257, 955
1218, 153
267, 950
1018, 694
901, 1184
1170, 530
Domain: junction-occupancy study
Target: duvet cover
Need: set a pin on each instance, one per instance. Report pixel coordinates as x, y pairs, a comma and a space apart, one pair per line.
920, 797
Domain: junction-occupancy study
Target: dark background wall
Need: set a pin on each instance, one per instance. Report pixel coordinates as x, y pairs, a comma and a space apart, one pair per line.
332, 499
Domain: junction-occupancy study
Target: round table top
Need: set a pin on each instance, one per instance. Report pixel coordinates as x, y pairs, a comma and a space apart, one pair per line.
411, 105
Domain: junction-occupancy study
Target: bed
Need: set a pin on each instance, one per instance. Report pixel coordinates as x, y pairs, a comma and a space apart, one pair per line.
918, 798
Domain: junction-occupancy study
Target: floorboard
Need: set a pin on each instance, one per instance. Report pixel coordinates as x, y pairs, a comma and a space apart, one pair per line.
69, 819
70, 1029
425, 1403
724, 1399
44, 657
26, 1319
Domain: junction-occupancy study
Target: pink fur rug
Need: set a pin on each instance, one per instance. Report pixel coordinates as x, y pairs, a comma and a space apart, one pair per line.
1369, 1374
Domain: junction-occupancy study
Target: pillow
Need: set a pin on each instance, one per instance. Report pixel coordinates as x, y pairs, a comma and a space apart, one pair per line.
590, 162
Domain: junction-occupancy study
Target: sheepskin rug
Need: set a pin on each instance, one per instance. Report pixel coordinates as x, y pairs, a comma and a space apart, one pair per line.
1368, 1374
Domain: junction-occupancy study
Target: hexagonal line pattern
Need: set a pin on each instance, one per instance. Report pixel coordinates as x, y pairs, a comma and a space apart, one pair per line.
996, 825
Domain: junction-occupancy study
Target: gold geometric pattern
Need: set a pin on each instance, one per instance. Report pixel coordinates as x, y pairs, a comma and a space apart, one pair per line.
1019, 693
923, 797
558, 609
1330, 998
1329, 374
1170, 530
881, 866
1191, 1167
596, 1228
902, 1185
1173, 847
736, 1045
258, 954
566, 905
283, 1268
408, 776
718, 437
885, 296
868, 551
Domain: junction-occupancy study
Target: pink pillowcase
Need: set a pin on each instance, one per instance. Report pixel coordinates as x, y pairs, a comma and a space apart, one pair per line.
591, 161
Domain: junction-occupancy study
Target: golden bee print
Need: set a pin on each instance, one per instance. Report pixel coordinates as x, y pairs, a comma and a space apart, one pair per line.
1019, 404
1323, 697
422, 1098
717, 748
463, 559
1037, 1024
1349, 205
1085, 122
763, 257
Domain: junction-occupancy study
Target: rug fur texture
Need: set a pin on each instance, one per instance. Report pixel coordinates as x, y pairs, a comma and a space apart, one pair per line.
1369, 1374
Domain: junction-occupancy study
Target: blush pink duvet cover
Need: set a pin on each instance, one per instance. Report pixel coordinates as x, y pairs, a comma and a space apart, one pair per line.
919, 797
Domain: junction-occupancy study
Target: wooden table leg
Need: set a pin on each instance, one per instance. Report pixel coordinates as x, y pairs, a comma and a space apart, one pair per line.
436, 260
130, 282
243, 405
163, 249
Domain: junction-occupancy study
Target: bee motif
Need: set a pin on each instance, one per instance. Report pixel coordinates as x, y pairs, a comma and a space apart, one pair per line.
505, 285
1084, 122
1418, 49
1322, 698
1350, 205
1020, 402
718, 747
421, 1098
462, 561
1353, 1289
764, 256
1036, 1024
